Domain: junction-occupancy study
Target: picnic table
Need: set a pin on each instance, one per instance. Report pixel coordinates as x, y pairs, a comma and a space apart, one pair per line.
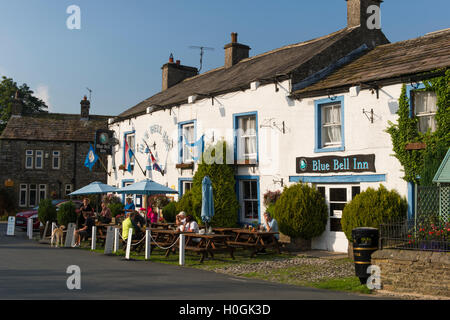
205, 244
254, 240
165, 225
225, 230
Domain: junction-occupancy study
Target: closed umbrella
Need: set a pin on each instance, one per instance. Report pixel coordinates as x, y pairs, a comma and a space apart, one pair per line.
207, 201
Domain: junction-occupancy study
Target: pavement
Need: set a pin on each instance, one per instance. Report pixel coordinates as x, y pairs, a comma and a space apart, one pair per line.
30, 270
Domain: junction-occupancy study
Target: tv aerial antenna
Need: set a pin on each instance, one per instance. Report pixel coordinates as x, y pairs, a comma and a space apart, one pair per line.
202, 52
90, 93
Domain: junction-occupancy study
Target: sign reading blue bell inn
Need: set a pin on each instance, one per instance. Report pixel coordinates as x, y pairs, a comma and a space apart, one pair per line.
325, 164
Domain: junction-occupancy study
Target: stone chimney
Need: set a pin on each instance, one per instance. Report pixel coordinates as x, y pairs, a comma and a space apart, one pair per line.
357, 12
235, 52
173, 73
85, 106
17, 107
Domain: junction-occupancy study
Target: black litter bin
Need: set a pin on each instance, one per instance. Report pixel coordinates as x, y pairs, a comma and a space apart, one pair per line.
365, 242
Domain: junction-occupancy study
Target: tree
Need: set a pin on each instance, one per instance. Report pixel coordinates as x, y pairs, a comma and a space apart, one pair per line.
226, 205
30, 103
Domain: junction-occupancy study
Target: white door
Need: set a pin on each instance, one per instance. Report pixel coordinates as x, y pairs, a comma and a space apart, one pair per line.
336, 197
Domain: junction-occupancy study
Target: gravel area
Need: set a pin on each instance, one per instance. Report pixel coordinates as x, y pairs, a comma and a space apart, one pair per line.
300, 268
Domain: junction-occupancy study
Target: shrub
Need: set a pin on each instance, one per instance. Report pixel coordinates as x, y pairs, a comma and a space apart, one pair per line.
159, 200
7, 201
226, 204
46, 211
371, 208
67, 214
185, 204
116, 208
170, 211
301, 212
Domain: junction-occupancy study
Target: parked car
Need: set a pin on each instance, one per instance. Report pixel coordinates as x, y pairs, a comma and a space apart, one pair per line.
22, 217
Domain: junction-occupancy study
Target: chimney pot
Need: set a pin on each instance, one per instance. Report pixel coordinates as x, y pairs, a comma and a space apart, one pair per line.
85, 106
171, 58
178, 62
234, 36
357, 12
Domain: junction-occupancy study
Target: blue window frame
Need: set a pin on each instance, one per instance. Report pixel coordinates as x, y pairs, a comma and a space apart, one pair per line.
186, 154
245, 127
125, 183
329, 125
184, 184
248, 194
126, 136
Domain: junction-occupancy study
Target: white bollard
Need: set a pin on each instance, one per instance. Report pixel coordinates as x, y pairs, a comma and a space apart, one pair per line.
148, 243
182, 244
30, 228
116, 239
53, 227
94, 238
130, 238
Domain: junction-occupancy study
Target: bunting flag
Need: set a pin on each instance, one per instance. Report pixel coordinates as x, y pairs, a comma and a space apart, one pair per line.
128, 156
91, 158
156, 167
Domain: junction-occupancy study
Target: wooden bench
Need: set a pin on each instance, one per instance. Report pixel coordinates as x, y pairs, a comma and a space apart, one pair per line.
203, 251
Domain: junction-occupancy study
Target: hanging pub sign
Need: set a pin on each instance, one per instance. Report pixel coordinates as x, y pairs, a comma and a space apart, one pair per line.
104, 141
326, 164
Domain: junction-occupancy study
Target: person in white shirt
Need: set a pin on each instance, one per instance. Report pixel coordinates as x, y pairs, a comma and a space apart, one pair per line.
192, 226
180, 221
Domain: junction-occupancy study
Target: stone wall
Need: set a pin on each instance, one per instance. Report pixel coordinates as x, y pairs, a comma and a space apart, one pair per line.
419, 272
71, 172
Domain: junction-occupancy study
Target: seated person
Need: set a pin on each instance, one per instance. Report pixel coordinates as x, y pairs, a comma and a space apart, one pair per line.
138, 220
86, 230
130, 222
86, 207
180, 221
126, 225
192, 226
270, 224
105, 215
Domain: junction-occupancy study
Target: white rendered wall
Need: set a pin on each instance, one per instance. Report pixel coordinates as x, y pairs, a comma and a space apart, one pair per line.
277, 151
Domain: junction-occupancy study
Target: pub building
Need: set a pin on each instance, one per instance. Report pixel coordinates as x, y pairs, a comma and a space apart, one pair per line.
314, 111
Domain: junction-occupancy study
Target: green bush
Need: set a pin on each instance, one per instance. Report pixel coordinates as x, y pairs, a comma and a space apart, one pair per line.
46, 211
116, 208
185, 204
67, 214
226, 205
7, 201
301, 212
170, 211
371, 208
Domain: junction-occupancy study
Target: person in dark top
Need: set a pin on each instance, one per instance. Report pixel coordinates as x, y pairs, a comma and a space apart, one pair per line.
86, 230
86, 207
138, 223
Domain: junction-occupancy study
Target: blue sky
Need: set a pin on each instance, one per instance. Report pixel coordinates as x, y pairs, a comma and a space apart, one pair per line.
121, 46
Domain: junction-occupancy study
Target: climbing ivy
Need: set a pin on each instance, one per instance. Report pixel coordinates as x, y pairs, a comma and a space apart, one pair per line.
421, 165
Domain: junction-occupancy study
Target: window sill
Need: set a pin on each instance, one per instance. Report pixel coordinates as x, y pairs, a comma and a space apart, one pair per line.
329, 149
248, 162
189, 165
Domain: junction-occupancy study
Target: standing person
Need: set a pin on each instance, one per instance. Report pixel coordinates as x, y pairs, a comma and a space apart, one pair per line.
85, 230
86, 207
129, 207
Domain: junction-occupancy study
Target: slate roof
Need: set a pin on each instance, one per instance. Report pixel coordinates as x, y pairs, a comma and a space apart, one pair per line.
276, 63
388, 61
54, 127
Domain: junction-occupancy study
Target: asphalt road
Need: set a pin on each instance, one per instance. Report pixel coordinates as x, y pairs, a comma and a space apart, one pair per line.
29, 270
